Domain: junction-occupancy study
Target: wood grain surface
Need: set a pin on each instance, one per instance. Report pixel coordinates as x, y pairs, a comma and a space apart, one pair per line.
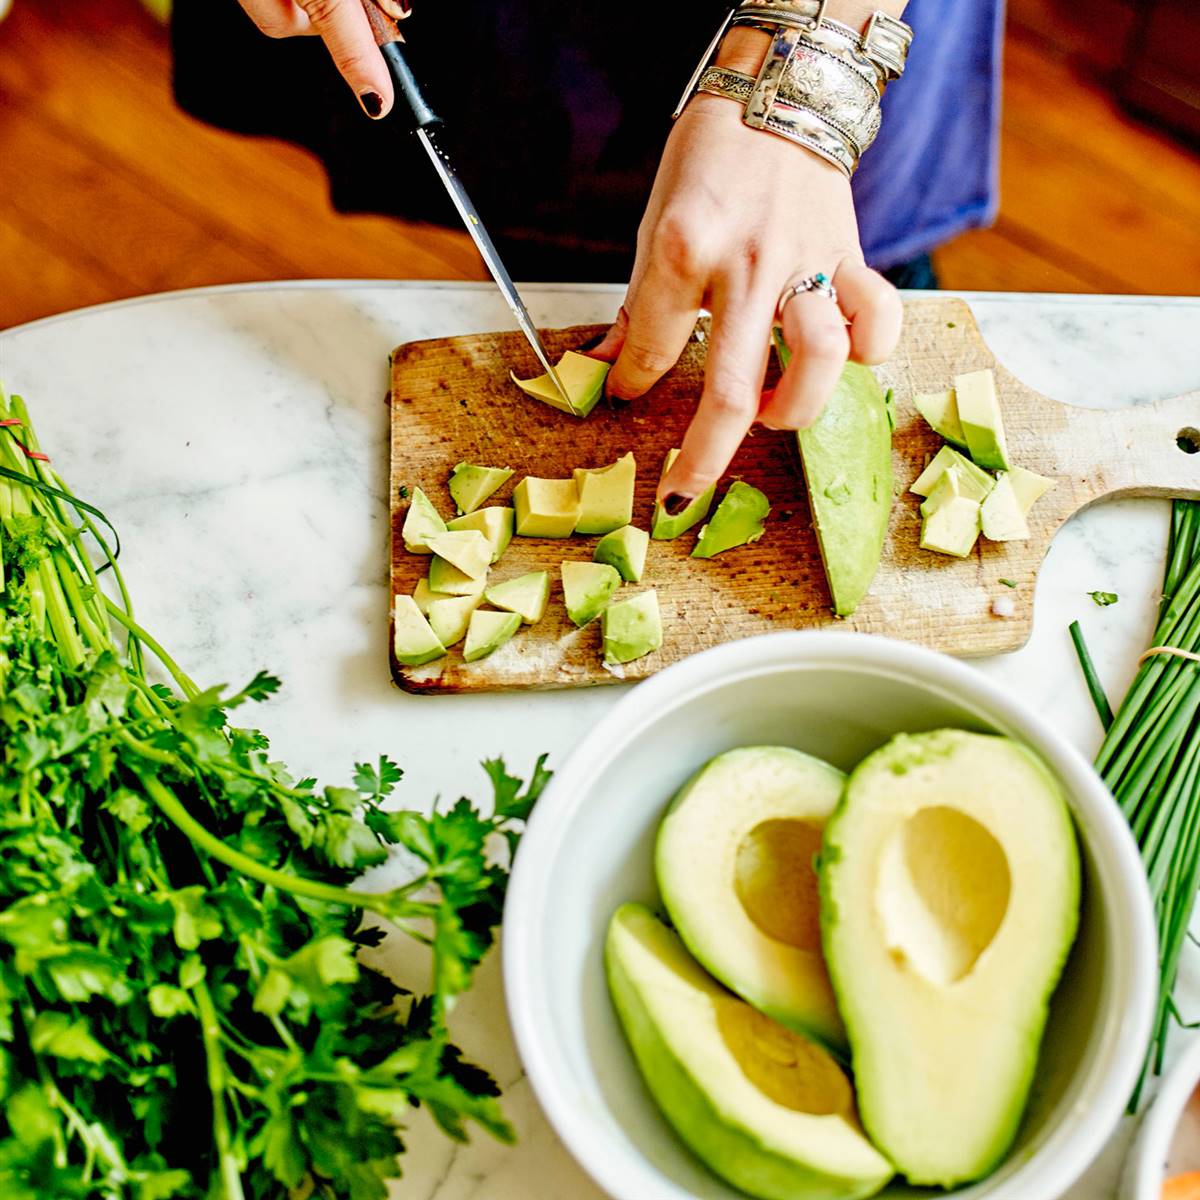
452, 401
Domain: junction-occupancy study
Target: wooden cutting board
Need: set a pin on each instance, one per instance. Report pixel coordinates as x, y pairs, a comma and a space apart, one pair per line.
452, 401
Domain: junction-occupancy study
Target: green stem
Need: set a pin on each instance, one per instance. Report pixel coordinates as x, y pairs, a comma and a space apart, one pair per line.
210, 1031
1090, 677
186, 686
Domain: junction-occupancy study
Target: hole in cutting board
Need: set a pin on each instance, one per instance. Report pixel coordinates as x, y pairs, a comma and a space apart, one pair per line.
1188, 440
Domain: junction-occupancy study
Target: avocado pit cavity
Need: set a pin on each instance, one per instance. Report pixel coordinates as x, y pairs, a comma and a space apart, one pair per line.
776, 881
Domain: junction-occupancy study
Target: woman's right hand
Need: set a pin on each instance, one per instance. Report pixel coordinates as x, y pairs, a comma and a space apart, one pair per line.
343, 26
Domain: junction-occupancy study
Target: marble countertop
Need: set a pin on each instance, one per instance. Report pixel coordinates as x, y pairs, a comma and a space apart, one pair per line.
238, 438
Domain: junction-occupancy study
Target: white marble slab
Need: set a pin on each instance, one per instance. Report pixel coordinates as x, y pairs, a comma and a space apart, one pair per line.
239, 437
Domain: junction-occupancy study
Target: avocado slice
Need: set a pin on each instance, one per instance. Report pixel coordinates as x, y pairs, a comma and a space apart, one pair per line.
424, 596
546, 507
940, 410
847, 458
735, 866
949, 902
767, 1110
487, 632
631, 628
663, 526
1000, 516
587, 588
977, 482
581, 376
740, 518
495, 523
471, 485
526, 595
605, 496
466, 549
1029, 487
952, 527
979, 413
413, 641
624, 549
420, 523
449, 617
445, 579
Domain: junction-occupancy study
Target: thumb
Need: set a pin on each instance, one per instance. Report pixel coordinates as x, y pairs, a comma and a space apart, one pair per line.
610, 345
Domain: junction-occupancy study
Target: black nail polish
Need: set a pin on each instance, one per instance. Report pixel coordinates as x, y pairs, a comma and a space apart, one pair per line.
675, 504
592, 343
372, 103
611, 400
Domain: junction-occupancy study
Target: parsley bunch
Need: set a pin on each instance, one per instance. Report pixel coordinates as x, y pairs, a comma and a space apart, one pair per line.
184, 1008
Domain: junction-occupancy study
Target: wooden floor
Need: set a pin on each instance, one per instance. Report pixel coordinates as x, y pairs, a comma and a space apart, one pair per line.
107, 191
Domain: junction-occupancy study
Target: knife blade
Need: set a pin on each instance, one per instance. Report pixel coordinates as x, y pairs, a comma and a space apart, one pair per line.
426, 124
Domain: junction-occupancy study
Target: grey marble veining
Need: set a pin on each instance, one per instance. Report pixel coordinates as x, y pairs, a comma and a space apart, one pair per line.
238, 437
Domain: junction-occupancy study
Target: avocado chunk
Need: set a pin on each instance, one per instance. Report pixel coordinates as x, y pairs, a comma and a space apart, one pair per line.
1000, 516
605, 496
1029, 487
631, 628
546, 507
739, 519
445, 579
976, 482
424, 596
979, 413
581, 376
470, 485
466, 549
624, 549
949, 901
940, 410
495, 523
767, 1110
663, 526
420, 523
587, 588
735, 866
846, 454
952, 527
413, 641
487, 632
449, 617
526, 595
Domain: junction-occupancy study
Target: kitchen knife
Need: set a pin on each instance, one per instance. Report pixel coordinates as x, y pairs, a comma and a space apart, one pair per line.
426, 124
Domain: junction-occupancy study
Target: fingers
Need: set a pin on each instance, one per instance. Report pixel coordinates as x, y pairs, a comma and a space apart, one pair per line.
873, 308
737, 360
277, 18
815, 332
346, 32
610, 344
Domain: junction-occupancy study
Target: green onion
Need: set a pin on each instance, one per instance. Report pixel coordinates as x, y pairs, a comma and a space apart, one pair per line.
1094, 686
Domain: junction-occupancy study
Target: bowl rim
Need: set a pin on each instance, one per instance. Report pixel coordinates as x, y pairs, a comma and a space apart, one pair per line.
1064, 1156
1145, 1171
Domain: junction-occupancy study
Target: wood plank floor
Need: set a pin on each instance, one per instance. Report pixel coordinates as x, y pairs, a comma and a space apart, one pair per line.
107, 191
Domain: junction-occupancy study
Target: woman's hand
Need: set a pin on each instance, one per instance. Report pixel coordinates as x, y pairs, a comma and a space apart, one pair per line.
736, 214
343, 26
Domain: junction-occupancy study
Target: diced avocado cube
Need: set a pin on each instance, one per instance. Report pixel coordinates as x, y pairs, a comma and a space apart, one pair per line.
488, 631
587, 588
413, 640
605, 496
420, 523
424, 595
581, 376
447, 580
663, 527
546, 507
449, 616
1001, 517
953, 528
466, 549
739, 519
951, 483
947, 457
1029, 487
470, 485
940, 410
624, 549
979, 414
496, 524
631, 628
526, 595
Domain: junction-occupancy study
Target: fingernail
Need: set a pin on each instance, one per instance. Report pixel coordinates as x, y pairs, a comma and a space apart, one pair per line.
676, 503
592, 343
372, 103
613, 401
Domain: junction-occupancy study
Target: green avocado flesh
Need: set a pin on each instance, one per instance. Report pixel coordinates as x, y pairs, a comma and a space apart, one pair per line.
413, 641
631, 628
949, 902
581, 376
605, 496
526, 595
445, 579
979, 414
847, 458
471, 485
487, 632
1029, 487
465, 549
735, 867
624, 549
1000, 515
768, 1111
739, 519
587, 588
449, 617
495, 523
546, 507
940, 410
976, 483
420, 523
663, 526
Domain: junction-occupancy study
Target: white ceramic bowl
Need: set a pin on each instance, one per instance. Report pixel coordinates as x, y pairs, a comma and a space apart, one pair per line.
589, 848
1145, 1166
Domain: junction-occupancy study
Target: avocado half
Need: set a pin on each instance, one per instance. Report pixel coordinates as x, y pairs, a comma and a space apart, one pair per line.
949, 903
767, 1110
735, 866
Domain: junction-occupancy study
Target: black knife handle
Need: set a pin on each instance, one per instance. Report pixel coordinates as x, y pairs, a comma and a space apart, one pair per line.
407, 85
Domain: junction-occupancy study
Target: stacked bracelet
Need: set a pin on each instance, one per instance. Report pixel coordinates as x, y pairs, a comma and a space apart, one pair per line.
820, 83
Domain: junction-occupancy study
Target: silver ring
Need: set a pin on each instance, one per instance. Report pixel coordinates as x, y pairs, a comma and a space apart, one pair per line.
819, 283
